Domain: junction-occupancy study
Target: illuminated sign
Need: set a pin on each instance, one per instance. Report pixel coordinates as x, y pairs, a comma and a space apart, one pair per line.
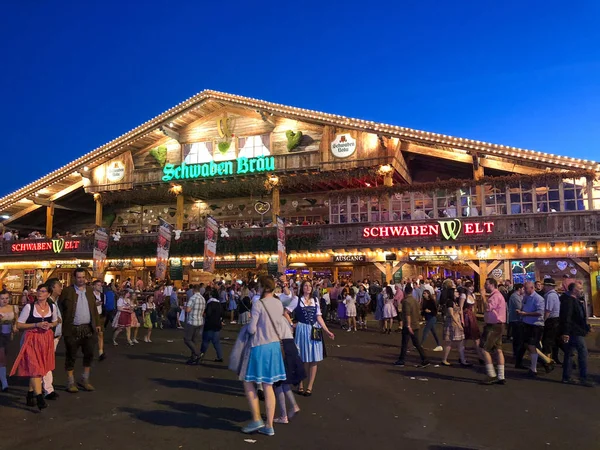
56, 245
343, 146
428, 258
115, 171
224, 168
349, 258
447, 229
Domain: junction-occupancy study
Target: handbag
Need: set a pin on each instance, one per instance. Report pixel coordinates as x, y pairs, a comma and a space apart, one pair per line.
316, 334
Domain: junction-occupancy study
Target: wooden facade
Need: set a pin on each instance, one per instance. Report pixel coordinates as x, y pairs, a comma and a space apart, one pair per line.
121, 185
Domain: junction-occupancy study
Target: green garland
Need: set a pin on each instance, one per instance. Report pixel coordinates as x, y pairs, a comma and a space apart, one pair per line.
194, 246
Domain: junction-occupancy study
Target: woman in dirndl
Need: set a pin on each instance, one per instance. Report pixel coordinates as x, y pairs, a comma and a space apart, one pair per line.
265, 363
309, 333
148, 316
341, 309
454, 332
122, 320
36, 357
472, 332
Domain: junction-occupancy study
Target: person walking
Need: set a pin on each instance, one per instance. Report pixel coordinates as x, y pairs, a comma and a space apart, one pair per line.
410, 329
491, 338
80, 323
122, 320
211, 333
550, 340
532, 314
454, 332
363, 299
195, 320
149, 317
102, 314
470, 325
389, 310
351, 309
265, 363
8, 327
309, 332
55, 288
515, 322
36, 357
429, 312
573, 329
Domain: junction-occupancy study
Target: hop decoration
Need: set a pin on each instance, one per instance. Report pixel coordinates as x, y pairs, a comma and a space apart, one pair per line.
160, 154
293, 139
116, 236
224, 232
177, 234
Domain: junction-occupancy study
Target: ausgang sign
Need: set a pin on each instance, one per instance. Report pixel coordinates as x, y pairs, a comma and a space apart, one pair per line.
343, 145
446, 229
349, 258
224, 168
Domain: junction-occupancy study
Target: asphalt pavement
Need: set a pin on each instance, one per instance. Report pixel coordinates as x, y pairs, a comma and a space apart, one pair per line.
147, 398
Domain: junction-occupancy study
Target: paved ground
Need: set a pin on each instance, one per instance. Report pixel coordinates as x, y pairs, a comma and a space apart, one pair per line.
147, 398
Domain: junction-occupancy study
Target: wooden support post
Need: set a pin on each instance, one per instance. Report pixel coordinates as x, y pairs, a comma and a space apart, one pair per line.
179, 212
49, 219
478, 174
483, 274
275, 204
388, 179
98, 200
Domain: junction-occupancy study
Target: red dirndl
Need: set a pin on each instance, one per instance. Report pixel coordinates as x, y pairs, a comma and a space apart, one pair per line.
36, 357
124, 319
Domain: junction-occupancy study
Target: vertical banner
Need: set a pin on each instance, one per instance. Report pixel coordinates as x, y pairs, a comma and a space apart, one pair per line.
281, 254
210, 244
165, 229
100, 249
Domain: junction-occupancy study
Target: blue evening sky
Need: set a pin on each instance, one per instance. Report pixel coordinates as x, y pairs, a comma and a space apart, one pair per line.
77, 74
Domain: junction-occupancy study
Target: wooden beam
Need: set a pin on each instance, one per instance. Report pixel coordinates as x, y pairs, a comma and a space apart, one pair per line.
399, 163
66, 191
21, 213
473, 266
451, 155
169, 132
507, 166
583, 265
49, 219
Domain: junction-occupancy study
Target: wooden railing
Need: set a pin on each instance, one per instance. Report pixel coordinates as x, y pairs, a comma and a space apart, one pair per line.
559, 227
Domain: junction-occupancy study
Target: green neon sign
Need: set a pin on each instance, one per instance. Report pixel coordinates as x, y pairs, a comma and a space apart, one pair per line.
224, 168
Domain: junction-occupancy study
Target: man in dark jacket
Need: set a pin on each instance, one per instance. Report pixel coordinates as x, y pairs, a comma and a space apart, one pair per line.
411, 314
212, 327
573, 328
81, 322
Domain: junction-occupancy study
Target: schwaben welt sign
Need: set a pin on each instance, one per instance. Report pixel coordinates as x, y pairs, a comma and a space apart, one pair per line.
54, 245
239, 166
445, 229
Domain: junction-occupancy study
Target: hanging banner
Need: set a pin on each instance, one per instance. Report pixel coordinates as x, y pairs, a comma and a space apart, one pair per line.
210, 245
100, 249
281, 254
165, 229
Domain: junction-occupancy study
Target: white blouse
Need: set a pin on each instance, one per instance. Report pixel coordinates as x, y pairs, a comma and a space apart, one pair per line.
27, 309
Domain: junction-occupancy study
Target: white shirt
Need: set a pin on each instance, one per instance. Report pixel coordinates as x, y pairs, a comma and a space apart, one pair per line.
451, 211
419, 214
8, 236
294, 303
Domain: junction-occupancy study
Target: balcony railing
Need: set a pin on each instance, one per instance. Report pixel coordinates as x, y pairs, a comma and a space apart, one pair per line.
559, 227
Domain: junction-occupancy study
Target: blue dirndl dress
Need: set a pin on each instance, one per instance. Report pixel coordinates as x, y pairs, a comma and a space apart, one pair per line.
310, 350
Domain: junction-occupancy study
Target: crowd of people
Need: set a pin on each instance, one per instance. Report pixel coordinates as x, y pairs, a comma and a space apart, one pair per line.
284, 322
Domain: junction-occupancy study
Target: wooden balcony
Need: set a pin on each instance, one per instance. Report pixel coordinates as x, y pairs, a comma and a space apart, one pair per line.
554, 227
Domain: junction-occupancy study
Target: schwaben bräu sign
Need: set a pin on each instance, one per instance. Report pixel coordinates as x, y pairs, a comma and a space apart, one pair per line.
445, 229
239, 166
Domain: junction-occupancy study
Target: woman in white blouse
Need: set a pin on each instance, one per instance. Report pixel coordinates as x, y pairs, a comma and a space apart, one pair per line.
122, 320
36, 357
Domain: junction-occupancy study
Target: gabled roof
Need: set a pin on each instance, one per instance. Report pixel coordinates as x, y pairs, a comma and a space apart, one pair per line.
201, 104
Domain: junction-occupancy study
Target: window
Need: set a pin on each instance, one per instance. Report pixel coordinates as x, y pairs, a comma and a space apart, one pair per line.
29, 279
521, 199
596, 195
495, 200
358, 209
445, 204
573, 192
253, 146
400, 204
198, 152
423, 206
468, 204
548, 198
338, 210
